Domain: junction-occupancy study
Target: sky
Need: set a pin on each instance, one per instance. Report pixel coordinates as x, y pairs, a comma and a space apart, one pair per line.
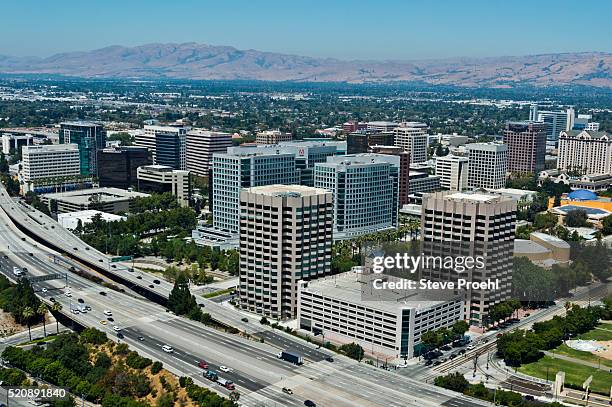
345, 29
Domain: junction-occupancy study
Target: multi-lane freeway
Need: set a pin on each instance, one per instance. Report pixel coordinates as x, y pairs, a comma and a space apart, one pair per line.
259, 376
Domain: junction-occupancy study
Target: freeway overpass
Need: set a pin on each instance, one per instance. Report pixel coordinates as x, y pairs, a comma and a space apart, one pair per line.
258, 374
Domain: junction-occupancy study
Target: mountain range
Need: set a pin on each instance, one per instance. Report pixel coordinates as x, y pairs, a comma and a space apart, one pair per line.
208, 62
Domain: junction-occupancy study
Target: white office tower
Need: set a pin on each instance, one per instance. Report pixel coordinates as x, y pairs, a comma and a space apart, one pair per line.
488, 165
412, 137
50, 161
557, 121
453, 172
200, 147
166, 145
585, 152
365, 189
285, 236
473, 225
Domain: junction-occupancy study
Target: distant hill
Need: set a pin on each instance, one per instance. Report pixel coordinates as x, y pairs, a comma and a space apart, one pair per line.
201, 61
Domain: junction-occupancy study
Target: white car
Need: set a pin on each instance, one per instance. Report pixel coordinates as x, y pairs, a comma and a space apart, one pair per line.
167, 348
116, 328
44, 290
224, 368
68, 294
108, 313
470, 347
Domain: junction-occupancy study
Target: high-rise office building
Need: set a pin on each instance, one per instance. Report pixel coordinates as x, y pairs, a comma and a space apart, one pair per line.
473, 225
526, 143
118, 165
412, 137
163, 178
381, 126
556, 121
47, 161
361, 142
90, 137
272, 137
365, 189
488, 165
585, 152
166, 145
200, 147
453, 172
285, 236
404, 173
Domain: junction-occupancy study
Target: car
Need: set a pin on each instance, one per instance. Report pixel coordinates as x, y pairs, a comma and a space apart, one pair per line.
287, 390
86, 248
25, 269
462, 351
141, 338
470, 347
202, 364
156, 281
310, 403
80, 300
446, 347
527, 314
224, 368
44, 290
116, 328
31, 254
120, 335
201, 305
108, 312
139, 277
5, 256
428, 362
110, 319
245, 320
114, 266
75, 248
151, 286
51, 299
101, 261
131, 270
437, 362
74, 311
167, 348
329, 359
88, 308
103, 322
102, 293
68, 294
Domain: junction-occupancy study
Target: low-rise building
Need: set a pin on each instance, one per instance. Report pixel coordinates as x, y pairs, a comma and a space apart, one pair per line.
272, 137
109, 200
389, 324
163, 178
71, 220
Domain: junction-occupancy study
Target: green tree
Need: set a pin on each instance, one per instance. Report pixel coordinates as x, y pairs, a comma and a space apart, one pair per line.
352, 350
28, 314
576, 218
56, 308
42, 311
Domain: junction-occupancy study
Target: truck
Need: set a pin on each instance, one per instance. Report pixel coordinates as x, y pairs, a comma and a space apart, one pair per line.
228, 384
290, 357
211, 375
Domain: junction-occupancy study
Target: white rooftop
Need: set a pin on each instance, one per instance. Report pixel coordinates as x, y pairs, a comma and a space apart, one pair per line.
282, 190
480, 197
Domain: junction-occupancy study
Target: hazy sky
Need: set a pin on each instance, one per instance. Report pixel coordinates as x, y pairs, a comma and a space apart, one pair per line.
358, 29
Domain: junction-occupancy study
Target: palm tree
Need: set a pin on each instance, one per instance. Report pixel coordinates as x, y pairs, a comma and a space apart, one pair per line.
28, 313
42, 311
56, 307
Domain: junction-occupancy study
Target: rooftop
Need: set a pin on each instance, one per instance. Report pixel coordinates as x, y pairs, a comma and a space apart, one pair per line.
83, 196
286, 190
475, 196
356, 287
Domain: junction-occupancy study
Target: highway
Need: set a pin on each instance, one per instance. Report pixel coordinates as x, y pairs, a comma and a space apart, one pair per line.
258, 374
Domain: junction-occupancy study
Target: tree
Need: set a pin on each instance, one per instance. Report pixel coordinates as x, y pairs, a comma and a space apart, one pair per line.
352, 350
459, 328
4, 165
56, 308
453, 381
28, 313
545, 221
234, 396
42, 311
576, 218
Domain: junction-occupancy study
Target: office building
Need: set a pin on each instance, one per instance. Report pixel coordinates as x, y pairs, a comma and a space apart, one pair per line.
12, 143
163, 178
166, 145
272, 137
482, 225
341, 309
285, 237
365, 189
488, 164
118, 166
353, 126
71, 220
453, 172
404, 173
200, 147
412, 137
50, 168
90, 137
361, 142
109, 200
381, 126
585, 152
526, 143
555, 121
